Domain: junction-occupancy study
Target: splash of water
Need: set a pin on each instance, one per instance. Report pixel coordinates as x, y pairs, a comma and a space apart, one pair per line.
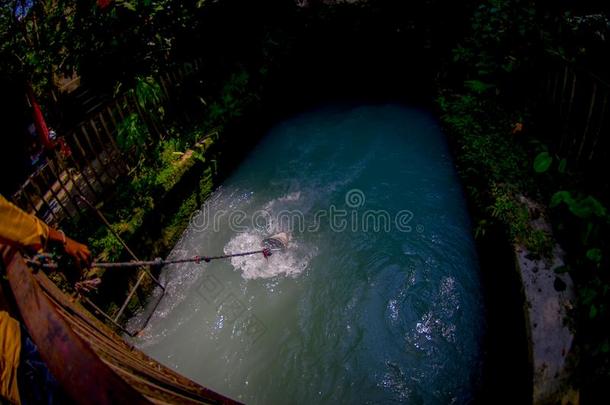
290, 262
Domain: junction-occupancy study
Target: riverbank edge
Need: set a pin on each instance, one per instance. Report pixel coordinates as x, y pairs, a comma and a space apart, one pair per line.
529, 271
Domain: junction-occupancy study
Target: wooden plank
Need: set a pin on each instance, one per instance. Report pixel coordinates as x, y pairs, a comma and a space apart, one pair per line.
28, 198
124, 167
111, 169
55, 195
79, 167
62, 168
123, 355
57, 173
33, 181
108, 133
83, 376
113, 355
119, 108
54, 180
150, 123
91, 160
152, 391
111, 115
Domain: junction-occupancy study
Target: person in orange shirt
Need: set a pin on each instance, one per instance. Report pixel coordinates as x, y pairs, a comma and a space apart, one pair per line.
24, 231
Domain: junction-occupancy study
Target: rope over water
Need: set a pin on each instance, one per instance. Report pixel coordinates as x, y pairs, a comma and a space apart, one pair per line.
271, 244
44, 260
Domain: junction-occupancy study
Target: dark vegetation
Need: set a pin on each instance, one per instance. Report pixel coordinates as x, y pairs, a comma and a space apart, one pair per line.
479, 64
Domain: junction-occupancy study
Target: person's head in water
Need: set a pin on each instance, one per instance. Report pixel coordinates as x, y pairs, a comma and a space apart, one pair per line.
278, 241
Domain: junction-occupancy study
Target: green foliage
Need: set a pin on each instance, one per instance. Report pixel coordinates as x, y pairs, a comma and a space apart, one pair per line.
180, 220
492, 164
496, 26
585, 207
234, 98
172, 163
148, 93
514, 213
132, 134
478, 86
487, 152
543, 162
595, 255
57, 37
562, 167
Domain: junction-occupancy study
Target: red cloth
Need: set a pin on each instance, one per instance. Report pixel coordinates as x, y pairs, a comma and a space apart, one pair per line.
39, 123
64, 149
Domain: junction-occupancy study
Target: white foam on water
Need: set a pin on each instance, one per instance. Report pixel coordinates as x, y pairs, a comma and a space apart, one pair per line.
290, 262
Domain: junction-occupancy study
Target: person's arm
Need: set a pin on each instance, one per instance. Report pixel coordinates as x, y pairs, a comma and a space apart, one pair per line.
18, 228
79, 252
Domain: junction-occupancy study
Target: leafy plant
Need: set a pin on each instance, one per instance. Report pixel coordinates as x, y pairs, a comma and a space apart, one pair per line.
148, 93
478, 86
585, 207
233, 98
543, 162
132, 134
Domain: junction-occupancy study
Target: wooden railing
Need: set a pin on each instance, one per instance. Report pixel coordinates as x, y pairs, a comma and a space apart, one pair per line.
93, 162
578, 102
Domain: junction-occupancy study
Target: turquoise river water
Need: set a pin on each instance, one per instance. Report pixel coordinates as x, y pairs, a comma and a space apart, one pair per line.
377, 298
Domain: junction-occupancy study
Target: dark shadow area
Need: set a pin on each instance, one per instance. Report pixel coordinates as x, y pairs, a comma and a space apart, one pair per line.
507, 375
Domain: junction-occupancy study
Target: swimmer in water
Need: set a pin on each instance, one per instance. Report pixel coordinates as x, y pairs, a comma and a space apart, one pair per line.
277, 242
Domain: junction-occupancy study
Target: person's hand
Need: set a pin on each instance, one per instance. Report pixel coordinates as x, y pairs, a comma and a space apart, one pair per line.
79, 252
